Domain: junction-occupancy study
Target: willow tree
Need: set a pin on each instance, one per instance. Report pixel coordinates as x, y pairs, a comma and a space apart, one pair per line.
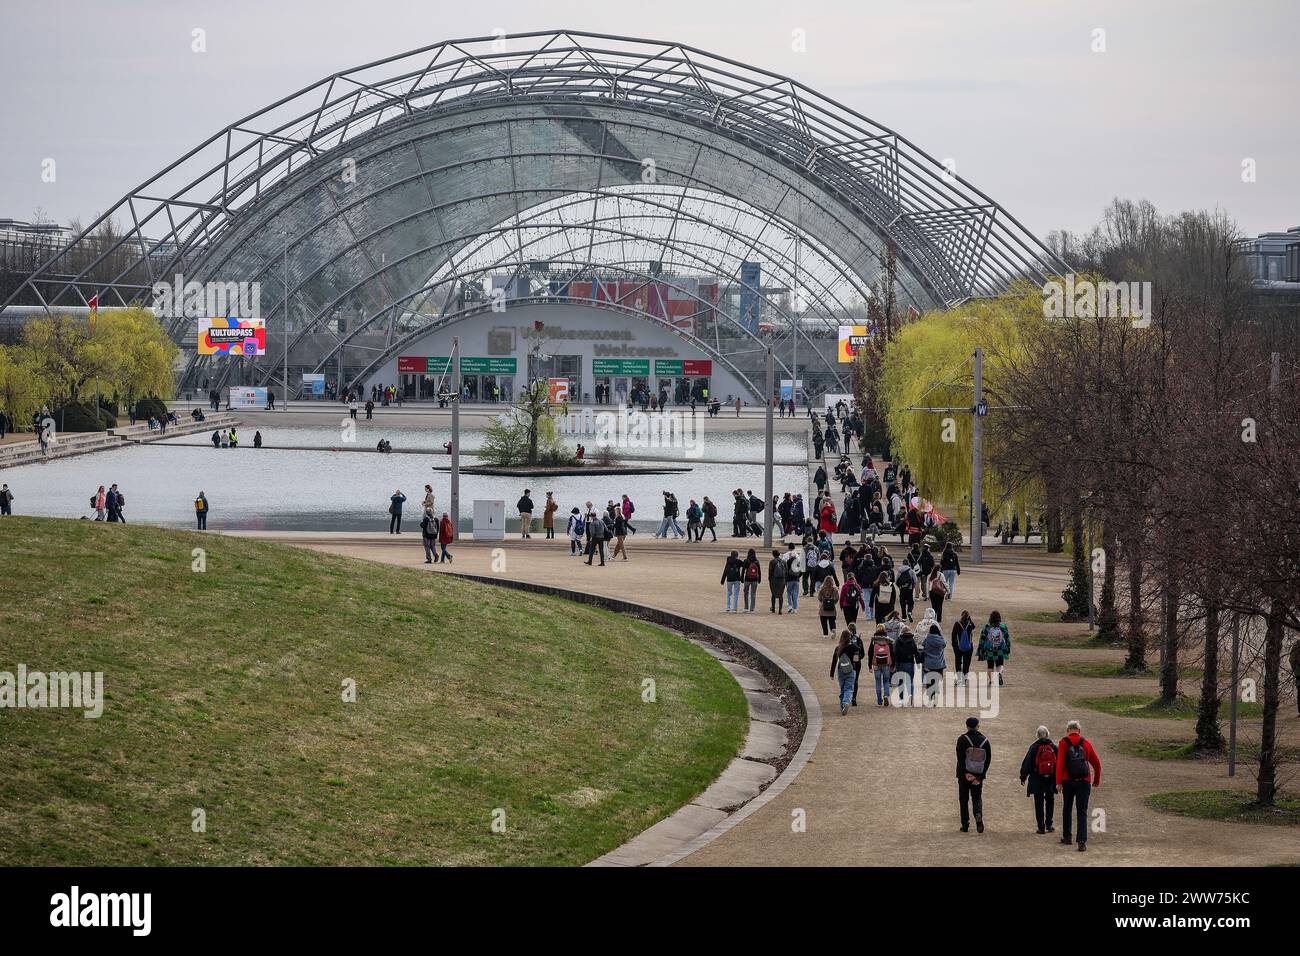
929, 365
137, 355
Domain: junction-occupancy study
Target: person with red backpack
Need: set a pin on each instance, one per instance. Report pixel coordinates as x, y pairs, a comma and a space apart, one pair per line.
751, 576
1078, 770
881, 657
1039, 769
852, 599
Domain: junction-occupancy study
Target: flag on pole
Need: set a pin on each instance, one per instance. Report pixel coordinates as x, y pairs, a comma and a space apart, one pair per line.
94, 311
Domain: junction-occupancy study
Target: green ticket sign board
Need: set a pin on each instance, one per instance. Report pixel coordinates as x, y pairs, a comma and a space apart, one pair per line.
488, 366
602, 366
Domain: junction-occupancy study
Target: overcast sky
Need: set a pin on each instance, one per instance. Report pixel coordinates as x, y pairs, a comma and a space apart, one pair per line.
1010, 89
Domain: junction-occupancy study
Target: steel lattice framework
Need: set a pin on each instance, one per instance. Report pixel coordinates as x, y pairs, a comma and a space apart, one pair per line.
373, 199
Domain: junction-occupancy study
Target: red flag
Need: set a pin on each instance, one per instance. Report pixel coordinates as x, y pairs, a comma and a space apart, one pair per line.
94, 310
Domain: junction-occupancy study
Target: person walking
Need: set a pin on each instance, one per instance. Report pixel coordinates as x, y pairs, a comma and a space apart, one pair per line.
693, 518
575, 531
995, 645
843, 670
794, 572
201, 511
395, 502
525, 506
938, 588
933, 662
852, 599
115, 502
883, 596
906, 584
429, 536
950, 565
710, 518
906, 657
427, 503
6, 499
257, 439
732, 573
629, 509
881, 656
963, 645
828, 597
753, 576
974, 756
548, 514
97, 501
1078, 771
595, 529
620, 535
776, 578
670, 518
1038, 770
445, 535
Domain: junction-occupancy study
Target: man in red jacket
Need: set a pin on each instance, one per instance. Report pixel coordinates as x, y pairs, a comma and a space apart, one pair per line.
1078, 770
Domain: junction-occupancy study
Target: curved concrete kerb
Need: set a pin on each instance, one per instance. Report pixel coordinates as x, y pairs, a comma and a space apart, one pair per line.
750, 781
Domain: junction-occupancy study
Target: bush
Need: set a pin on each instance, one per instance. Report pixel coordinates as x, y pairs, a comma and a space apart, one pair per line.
150, 406
80, 417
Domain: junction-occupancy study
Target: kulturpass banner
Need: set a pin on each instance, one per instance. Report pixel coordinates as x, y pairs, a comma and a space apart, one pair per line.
852, 337
232, 336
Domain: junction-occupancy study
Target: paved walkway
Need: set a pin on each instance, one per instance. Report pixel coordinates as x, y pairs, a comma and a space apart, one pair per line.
880, 788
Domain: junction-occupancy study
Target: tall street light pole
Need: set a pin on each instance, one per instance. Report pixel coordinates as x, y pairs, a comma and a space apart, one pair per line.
767, 455
284, 399
455, 438
977, 463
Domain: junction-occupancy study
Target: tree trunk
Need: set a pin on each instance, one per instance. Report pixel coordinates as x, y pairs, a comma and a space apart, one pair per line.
1169, 669
1266, 793
1208, 734
1107, 611
1136, 637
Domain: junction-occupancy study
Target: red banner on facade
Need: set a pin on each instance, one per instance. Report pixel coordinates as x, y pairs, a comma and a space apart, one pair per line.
412, 363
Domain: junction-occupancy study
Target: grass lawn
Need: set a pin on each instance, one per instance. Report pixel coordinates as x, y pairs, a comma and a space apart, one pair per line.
1140, 705
224, 692
1229, 806
1073, 642
1247, 750
1102, 669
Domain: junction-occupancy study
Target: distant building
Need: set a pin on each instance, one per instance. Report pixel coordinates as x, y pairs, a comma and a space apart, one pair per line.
1273, 256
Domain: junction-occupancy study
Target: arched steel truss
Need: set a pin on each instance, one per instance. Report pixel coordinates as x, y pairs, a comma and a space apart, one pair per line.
385, 190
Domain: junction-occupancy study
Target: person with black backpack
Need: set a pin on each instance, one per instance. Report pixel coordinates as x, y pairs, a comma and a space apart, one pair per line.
906, 584
974, 756
777, 571
576, 531
995, 645
753, 574
1039, 769
1078, 770
963, 645
828, 597
732, 573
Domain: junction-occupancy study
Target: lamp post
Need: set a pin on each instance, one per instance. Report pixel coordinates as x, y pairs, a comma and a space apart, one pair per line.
455, 438
767, 454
